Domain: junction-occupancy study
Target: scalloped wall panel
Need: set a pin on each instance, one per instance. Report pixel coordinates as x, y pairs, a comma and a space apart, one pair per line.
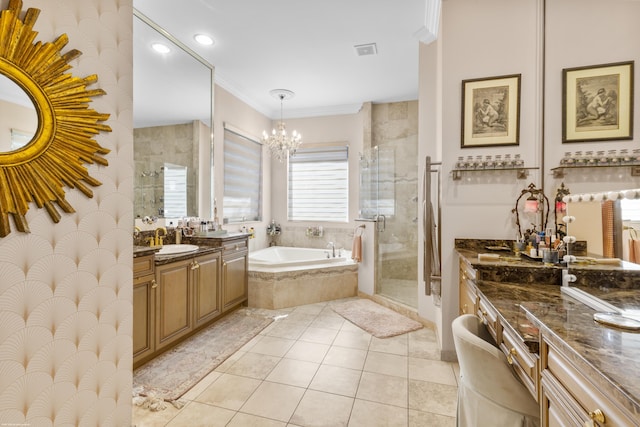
65, 289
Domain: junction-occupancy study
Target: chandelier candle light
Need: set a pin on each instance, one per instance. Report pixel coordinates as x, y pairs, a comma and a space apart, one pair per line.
280, 144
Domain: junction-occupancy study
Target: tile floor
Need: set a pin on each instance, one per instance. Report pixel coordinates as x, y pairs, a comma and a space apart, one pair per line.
314, 368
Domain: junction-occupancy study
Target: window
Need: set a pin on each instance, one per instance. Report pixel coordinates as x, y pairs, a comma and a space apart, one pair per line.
319, 184
175, 191
242, 178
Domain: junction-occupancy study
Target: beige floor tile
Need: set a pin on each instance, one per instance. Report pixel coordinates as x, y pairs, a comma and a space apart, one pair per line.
289, 330
318, 409
201, 415
301, 317
319, 335
224, 366
336, 380
245, 420
434, 371
309, 351
254, 365
311, 308
353, 339
394, 345
274, 401
253, 341
272, 346
431, 397
423, 347
229, 391
388, 364
348, 326
427, 419
298, 373
328, 322
383, 389
373, 414
345, 357
201, 386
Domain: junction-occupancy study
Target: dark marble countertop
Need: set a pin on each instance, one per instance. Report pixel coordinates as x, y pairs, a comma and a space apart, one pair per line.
144, 250
202, 250
607, 355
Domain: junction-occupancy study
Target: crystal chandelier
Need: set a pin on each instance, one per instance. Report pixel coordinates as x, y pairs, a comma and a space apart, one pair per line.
280, 144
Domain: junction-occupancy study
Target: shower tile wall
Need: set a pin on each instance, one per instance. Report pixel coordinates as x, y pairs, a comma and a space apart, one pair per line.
395, 130
153, 146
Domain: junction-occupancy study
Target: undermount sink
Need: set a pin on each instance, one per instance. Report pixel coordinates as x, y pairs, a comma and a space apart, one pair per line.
176, 249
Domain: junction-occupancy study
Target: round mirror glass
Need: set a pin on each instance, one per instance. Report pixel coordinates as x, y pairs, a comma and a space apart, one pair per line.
18, 116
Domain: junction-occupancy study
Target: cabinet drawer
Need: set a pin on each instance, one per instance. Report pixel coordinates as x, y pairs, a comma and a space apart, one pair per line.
143, 265
524, 363
234, 246
583, 390
489, 316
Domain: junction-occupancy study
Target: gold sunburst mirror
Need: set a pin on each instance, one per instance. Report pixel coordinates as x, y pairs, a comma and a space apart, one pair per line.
63, 142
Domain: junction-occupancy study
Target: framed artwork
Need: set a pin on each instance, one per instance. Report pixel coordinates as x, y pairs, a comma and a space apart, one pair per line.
597, 102
491, 111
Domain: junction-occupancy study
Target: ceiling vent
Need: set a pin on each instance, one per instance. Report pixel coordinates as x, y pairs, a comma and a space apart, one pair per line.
366, 49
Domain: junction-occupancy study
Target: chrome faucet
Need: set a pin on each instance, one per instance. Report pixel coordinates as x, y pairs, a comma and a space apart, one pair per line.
333, 249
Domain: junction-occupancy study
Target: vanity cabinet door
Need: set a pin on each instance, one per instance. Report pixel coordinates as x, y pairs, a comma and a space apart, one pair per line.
206, 289
173, 302
235, 281
144, 286
524, 363
468, 294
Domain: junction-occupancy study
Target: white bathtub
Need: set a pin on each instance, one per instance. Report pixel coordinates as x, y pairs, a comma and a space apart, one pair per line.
282, 257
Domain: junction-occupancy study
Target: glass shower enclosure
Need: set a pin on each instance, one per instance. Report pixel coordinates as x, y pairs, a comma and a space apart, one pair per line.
389, 195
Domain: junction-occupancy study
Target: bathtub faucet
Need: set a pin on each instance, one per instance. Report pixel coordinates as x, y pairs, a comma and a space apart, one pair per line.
333, 249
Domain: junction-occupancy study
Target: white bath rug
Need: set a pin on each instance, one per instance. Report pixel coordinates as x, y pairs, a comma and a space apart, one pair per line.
379, 321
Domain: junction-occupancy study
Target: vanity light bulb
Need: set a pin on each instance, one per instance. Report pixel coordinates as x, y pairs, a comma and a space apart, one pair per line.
613, 195
569, 239
569, 259
568, 219
630, 194
598, 197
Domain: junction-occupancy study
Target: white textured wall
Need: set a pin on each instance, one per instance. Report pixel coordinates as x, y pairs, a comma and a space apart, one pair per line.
65, 289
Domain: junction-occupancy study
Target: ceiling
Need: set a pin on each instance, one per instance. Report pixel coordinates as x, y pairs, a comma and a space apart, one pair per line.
300, 45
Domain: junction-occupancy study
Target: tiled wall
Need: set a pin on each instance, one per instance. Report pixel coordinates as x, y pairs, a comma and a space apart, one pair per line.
65, 289
155, 146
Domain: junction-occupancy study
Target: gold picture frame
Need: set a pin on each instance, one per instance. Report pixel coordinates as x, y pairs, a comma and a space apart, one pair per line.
63, 142
491, 111
597, 102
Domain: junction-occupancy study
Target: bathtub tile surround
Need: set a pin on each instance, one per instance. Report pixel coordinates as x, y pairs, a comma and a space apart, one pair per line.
296, 236
277, 282
328, 362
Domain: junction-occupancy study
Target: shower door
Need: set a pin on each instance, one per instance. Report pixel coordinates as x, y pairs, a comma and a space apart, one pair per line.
388, 194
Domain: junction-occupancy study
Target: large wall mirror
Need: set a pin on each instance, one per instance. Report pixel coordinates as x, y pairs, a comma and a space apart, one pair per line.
172, 112
47, 129
606, 225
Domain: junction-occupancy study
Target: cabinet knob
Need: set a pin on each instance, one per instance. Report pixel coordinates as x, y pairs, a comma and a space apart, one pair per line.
464, 309
598, 415
195, 265
512, 353
154, 284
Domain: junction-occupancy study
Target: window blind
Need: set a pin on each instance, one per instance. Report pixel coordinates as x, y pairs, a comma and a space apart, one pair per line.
242, 178
318, 187
175, 191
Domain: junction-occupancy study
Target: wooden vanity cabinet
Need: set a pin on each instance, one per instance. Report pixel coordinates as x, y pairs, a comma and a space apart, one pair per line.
188, 296
571, 397
173, 302
144, 285
235, 278
468, 293
206, 298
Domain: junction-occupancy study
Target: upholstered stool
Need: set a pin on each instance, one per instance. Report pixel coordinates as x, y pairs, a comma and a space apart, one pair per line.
489, 393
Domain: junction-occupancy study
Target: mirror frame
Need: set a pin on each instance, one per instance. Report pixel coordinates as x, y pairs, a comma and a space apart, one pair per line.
63, 141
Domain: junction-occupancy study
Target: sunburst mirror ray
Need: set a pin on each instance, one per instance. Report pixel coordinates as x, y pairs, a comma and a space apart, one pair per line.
64, 140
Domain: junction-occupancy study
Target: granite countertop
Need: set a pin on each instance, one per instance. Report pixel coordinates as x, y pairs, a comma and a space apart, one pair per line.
608, 355
202, 250
144, 250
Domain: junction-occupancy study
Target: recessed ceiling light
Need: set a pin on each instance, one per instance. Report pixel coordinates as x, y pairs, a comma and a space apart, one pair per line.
203, 39
160, 48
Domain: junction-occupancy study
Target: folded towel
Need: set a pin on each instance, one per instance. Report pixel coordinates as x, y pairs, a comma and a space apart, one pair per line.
488, 257
356, 249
